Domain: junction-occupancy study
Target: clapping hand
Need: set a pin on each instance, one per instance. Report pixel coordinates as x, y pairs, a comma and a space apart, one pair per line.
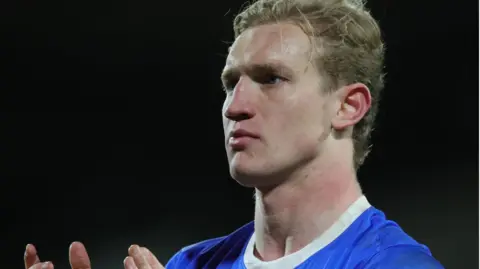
77, 255
138, 258
141, 258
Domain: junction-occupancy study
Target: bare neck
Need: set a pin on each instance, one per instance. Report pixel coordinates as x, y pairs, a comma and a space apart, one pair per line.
294, 213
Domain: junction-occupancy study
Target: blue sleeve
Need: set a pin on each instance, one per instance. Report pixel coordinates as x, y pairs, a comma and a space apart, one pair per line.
403, 257
174, 262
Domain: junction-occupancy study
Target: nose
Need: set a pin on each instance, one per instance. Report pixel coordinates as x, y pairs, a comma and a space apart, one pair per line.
239, 105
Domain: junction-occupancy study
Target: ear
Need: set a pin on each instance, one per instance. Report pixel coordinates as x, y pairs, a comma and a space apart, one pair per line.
355, 101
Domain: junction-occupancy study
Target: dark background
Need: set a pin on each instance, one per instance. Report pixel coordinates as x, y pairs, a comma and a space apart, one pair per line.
112, 135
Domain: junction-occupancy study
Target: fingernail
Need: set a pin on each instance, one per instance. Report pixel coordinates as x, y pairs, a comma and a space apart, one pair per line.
26, 247
45, 265
126, 263
133, 249
74, 242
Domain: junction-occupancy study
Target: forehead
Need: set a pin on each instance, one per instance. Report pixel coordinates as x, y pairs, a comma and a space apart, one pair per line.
272, 43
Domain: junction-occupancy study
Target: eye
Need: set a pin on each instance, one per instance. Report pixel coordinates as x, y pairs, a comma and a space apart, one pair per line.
228, 86
264, 79
270, 80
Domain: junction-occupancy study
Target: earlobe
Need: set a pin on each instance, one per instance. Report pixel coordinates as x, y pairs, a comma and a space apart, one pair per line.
355, 102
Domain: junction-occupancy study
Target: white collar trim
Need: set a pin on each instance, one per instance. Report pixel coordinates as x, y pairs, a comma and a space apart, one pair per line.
293, 260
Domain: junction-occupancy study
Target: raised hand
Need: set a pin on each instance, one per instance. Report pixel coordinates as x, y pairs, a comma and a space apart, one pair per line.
141, 258
77, 255
32, 261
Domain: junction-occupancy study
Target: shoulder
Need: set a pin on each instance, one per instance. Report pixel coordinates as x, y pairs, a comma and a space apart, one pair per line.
383, 233
211, 250
403, 257
390, 247
189, 253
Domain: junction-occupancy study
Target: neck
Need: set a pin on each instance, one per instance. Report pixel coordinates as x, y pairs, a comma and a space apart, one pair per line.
292, 214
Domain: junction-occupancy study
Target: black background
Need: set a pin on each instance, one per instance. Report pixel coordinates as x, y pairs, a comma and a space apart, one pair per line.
112, 135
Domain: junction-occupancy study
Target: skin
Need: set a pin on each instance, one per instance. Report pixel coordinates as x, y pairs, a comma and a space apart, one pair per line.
138, 258
300, 163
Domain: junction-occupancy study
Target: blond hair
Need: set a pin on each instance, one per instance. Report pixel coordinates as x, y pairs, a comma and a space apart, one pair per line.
352, 49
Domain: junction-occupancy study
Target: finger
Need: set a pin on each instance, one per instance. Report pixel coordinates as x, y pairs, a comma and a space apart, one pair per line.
79, 257
30, 258
42, 265
152, 260
129, 263
139, 257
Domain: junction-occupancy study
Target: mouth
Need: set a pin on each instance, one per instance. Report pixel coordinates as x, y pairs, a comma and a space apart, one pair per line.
240, 139
242, 133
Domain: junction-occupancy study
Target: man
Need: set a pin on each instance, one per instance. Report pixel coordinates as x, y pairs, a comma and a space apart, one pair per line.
302, 81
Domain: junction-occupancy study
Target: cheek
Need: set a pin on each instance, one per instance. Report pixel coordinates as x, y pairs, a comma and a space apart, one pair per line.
224, 119
225, 124
308, 124
224, 107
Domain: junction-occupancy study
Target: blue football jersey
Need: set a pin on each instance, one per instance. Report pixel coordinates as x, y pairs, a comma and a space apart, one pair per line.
362, 238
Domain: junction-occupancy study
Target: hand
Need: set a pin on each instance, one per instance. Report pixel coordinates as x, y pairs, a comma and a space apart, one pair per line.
141, 258
77, 254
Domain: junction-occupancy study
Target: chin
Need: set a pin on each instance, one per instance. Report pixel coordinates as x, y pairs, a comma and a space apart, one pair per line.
250, 172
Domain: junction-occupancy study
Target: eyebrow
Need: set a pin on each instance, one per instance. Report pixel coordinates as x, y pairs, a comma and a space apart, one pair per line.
257, 69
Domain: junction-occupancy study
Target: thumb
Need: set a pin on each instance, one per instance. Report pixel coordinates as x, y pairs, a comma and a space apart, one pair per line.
79, 257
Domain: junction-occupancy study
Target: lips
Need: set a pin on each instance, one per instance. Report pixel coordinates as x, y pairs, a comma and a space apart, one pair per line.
239, 139
242, 133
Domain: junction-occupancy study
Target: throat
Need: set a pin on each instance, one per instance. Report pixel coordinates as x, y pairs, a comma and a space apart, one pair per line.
289, 217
